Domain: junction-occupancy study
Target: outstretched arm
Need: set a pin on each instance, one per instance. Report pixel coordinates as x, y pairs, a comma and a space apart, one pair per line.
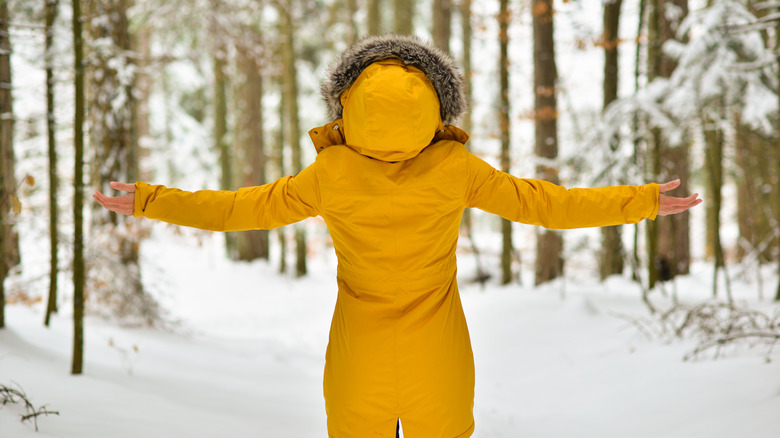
287, 200
542, 203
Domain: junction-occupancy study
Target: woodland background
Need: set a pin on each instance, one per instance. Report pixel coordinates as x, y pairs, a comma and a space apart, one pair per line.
214, 94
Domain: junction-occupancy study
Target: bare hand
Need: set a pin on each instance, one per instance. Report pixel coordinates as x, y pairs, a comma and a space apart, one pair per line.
118, 204
670, 205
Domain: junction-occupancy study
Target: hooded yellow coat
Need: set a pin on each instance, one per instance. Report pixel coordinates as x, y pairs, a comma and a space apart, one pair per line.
391, 183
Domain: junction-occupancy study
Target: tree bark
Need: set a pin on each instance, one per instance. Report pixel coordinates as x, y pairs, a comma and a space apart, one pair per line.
249, 145
221, 145
442, 17
612, 252
51, 15
404, 17
9, 254
668, 238
78, 196
112, 133
777, 162
549, 244
465, 23
374, 17
503, 117
293, 129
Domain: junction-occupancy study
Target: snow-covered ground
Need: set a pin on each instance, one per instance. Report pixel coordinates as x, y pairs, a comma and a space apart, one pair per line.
246, 360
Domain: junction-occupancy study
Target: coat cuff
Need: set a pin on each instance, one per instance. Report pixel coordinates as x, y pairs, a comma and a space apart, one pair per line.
654, 191
141, 193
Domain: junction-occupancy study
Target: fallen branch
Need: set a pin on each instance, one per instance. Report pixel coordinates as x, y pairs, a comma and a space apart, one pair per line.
9, 395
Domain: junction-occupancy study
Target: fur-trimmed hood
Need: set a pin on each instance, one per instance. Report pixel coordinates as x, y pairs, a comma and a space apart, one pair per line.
438, 67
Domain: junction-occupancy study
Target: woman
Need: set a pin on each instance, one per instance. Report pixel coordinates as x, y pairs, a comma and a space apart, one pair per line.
391, 180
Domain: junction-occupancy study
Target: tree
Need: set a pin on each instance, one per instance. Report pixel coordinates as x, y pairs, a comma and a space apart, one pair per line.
549, 244
9, 253
611, 257
404, 17
221, 145
51, 15
78, 193
442, 17
290, 96
249, 144
375, 17
668, 237
503, 116
111, 101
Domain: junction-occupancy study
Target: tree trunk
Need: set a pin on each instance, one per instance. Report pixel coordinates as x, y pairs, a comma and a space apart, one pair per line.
352, 9
777, 163
611, 260
113, 139
549, 244
442, 17
375, 17
9, 253
221, 145
713, 137
668, 238
279, 156
78, 196
503, 117
465, 22
249, 146
404, 16
51, 306
291, 99
611, 257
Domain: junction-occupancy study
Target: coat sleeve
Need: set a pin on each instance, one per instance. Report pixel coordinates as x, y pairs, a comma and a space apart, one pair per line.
285, 201
538, 202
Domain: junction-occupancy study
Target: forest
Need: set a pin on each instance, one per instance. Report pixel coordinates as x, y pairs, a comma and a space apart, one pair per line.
219, 95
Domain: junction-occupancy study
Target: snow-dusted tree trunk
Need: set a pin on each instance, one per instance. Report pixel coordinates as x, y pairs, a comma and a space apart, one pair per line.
9, 251
611, 257
249, 144
442, 17
503, 117
668, 238
293, 129
51, 14
549, 244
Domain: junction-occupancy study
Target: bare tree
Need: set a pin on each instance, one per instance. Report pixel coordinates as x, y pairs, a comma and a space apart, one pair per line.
51, 15
375, 16
442, 17
404, 17
503, 116
249, 144
611, 257
293, 129
9, 254
549, 244
78, 190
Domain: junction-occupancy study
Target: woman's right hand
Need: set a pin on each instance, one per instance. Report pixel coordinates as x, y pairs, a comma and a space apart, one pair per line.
118, 204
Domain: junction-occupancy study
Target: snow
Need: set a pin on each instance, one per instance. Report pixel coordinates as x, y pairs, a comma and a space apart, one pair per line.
246, 354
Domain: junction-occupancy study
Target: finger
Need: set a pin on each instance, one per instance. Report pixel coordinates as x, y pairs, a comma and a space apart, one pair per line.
125, 187
671, 185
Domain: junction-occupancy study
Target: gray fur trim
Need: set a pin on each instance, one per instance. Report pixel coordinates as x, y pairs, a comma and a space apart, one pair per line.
437, 66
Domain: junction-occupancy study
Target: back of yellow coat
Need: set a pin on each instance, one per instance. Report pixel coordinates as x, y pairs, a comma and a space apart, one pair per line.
399, 346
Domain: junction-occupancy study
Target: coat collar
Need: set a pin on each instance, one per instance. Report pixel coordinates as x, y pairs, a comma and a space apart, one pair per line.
332, 134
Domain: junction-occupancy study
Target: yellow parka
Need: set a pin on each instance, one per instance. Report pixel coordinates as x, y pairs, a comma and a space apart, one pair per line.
391, 183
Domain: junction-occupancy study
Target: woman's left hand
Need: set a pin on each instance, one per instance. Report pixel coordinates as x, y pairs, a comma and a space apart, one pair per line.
670, 205
118, 204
